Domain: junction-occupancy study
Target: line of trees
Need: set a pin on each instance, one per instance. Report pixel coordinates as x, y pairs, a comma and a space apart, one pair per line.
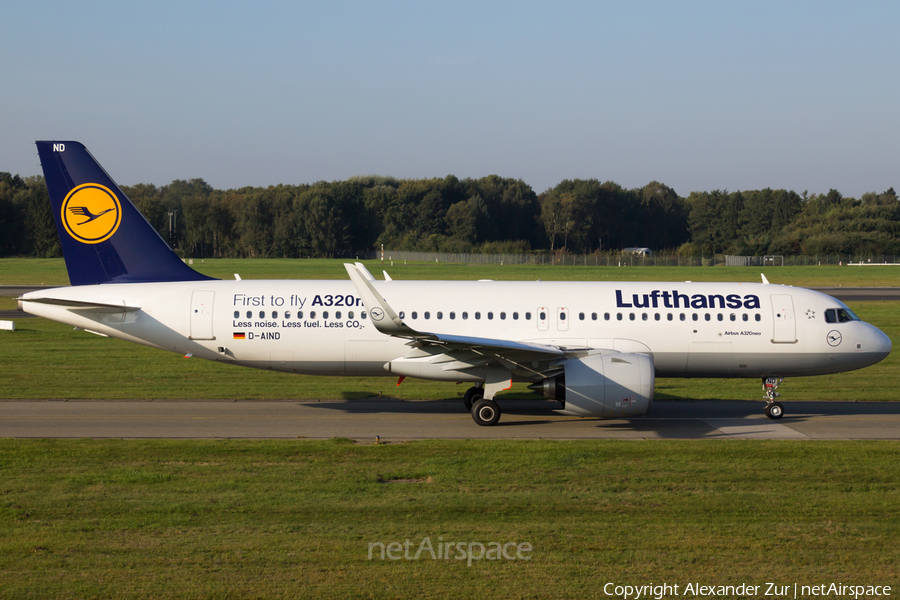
491, 215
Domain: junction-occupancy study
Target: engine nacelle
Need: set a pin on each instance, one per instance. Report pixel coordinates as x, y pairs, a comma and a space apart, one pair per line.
605, 385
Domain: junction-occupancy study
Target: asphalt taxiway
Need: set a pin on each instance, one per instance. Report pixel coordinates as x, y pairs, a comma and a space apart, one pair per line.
394, 420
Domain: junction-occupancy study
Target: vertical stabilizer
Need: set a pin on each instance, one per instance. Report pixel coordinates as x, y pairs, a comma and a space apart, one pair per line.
104, 238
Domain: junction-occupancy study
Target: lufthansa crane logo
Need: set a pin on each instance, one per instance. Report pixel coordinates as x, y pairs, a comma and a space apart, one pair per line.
91, 213
377, 314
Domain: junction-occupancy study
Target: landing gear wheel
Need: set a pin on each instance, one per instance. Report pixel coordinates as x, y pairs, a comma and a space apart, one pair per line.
472, 394
485, 412
775, 410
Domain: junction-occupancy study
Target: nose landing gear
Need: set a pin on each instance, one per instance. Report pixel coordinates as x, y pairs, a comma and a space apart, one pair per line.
773, 410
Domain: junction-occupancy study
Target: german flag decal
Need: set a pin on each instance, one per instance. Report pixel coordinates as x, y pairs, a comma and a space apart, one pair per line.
240, 335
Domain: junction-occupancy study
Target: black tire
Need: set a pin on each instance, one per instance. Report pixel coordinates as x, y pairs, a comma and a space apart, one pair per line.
776, 410
766, 410
485, 412
472, 394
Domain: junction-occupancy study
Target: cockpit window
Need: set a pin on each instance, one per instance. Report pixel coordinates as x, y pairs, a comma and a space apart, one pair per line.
840, 315
845, 314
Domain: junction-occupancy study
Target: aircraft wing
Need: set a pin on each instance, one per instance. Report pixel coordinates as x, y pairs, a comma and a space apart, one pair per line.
388, 322
491, 344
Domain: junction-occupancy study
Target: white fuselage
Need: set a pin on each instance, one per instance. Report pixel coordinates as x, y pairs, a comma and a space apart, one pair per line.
321, 327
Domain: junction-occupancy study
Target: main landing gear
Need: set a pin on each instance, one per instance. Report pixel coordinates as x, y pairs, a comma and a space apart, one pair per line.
773, 410
484, 412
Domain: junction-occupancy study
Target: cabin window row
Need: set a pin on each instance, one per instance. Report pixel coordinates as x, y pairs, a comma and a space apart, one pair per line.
503, 315
311, 315
464, 315
671, 317
582, 316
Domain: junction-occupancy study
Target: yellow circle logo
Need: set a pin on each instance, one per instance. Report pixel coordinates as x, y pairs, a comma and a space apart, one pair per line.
91, 213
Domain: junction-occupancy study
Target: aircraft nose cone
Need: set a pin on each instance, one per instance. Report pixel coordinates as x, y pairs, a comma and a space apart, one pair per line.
877, 344
882, 343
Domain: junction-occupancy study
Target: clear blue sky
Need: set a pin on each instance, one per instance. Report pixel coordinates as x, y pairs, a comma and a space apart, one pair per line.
698, 95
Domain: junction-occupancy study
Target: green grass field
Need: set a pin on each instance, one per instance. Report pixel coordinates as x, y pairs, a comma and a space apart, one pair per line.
230, 519
52, 271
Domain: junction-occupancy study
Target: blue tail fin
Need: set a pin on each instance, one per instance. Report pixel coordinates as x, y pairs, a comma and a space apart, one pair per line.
104, 238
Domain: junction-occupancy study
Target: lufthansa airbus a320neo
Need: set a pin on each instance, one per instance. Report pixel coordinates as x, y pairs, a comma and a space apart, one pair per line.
594, 347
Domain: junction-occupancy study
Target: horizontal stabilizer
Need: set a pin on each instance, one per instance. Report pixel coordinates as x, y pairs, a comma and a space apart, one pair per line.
97, 307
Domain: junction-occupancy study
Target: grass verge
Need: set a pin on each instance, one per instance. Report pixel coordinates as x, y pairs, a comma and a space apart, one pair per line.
229, 519
52, 271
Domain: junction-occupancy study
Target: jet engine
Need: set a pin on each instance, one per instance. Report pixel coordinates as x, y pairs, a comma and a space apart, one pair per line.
603, 385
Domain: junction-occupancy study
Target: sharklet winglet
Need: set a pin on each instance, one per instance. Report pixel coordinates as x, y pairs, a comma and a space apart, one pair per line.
388, 322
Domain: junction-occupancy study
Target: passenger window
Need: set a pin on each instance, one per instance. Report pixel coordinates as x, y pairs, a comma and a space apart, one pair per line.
745, 317
681, 317
593, 316
656, 316
465, 315
618, 316
312, 314
350, 314
249, 314
515, 316
287, 314
758, 317
401, 314
427, 314
695, 317
720, 317
237, 314
299, 314
337, 314
643, 316
415, 315
733, 317
707, 316
452, 315
562, 316
362, 315
606, 316
669, 317
543, 316
528, 316
631, 316
274, 314
324, 314
477, 315
503, 316
581, 316
490, 315
440, 315
262, 314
